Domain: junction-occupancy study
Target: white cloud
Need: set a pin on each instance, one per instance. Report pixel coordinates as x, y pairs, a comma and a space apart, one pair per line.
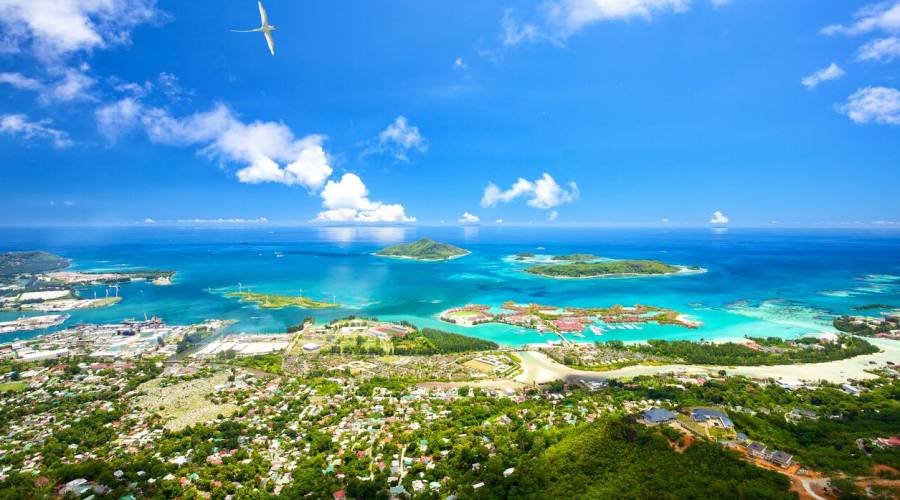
664, 220
718, 218
347, 200
71, 84
20, 125
515, 32
572, 15
873, 105
20, 81
553, 215
54, 28
882, 16
260, 146
542, 193
883, 49
459, 63
148, 220
829, 73
468, 218
499, 221
556, 20
399, 138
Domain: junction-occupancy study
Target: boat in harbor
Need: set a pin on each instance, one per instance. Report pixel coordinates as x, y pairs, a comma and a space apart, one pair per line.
596, 330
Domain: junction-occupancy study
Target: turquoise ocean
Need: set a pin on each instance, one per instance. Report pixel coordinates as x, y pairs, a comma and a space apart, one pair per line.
759, 282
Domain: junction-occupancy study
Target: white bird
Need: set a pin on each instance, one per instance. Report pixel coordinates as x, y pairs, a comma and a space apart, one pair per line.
265, 29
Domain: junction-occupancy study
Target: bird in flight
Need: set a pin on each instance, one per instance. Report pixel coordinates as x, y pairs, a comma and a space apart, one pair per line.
265, 29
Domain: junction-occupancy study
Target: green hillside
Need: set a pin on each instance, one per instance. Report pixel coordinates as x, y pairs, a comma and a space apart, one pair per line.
423, 249
596, 269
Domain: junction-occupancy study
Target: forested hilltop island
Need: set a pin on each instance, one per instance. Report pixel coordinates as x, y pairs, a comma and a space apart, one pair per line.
578, 268
423, 249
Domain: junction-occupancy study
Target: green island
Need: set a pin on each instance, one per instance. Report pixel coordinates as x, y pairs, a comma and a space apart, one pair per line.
575, 257
424, 249
606, 269
274, 301
870, 307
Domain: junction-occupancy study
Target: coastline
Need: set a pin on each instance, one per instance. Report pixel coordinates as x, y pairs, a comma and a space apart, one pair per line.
406, 257
681, 272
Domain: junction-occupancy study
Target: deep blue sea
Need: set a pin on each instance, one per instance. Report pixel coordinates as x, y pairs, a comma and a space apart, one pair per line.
759, 282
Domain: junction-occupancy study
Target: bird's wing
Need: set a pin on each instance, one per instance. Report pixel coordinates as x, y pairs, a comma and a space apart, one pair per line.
245, 31
263, 15
271, 42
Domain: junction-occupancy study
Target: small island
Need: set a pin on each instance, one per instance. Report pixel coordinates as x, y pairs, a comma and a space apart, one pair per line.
273, 301
615, 268
575, 257
424, 249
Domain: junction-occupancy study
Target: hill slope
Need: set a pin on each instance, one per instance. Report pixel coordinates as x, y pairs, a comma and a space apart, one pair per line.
423, 249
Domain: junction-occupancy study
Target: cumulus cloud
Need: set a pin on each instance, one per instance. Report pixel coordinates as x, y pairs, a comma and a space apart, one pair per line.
459, 63
19, 125
718, 218
883, 49
148, 220
498, 221
468, 218
54, 28
20, 81
572, 15
559, 19
65, 84
269, 151
830, 72
873, 105
553, 215
664, 220
882, 16
399, 138
541, 193
347, 200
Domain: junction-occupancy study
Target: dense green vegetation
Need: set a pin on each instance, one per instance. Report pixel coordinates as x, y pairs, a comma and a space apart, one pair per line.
270, 363
869, 307
575, 257
846, 324
273, 301
423, 249
430, 341
617, 459
777, 352
600, 269
827, 443
13, 263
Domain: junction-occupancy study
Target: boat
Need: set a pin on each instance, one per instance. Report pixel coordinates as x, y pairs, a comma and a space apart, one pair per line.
578, 334
596, 329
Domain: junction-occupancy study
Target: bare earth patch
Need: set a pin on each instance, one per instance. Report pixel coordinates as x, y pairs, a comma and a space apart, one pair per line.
185, 403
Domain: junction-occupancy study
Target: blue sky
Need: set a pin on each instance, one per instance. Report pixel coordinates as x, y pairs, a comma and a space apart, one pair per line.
563, 112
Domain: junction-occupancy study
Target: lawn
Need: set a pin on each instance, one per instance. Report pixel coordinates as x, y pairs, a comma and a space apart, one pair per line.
13, 386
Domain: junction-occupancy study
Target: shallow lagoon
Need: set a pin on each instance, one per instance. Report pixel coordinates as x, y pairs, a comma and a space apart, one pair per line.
759, 282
